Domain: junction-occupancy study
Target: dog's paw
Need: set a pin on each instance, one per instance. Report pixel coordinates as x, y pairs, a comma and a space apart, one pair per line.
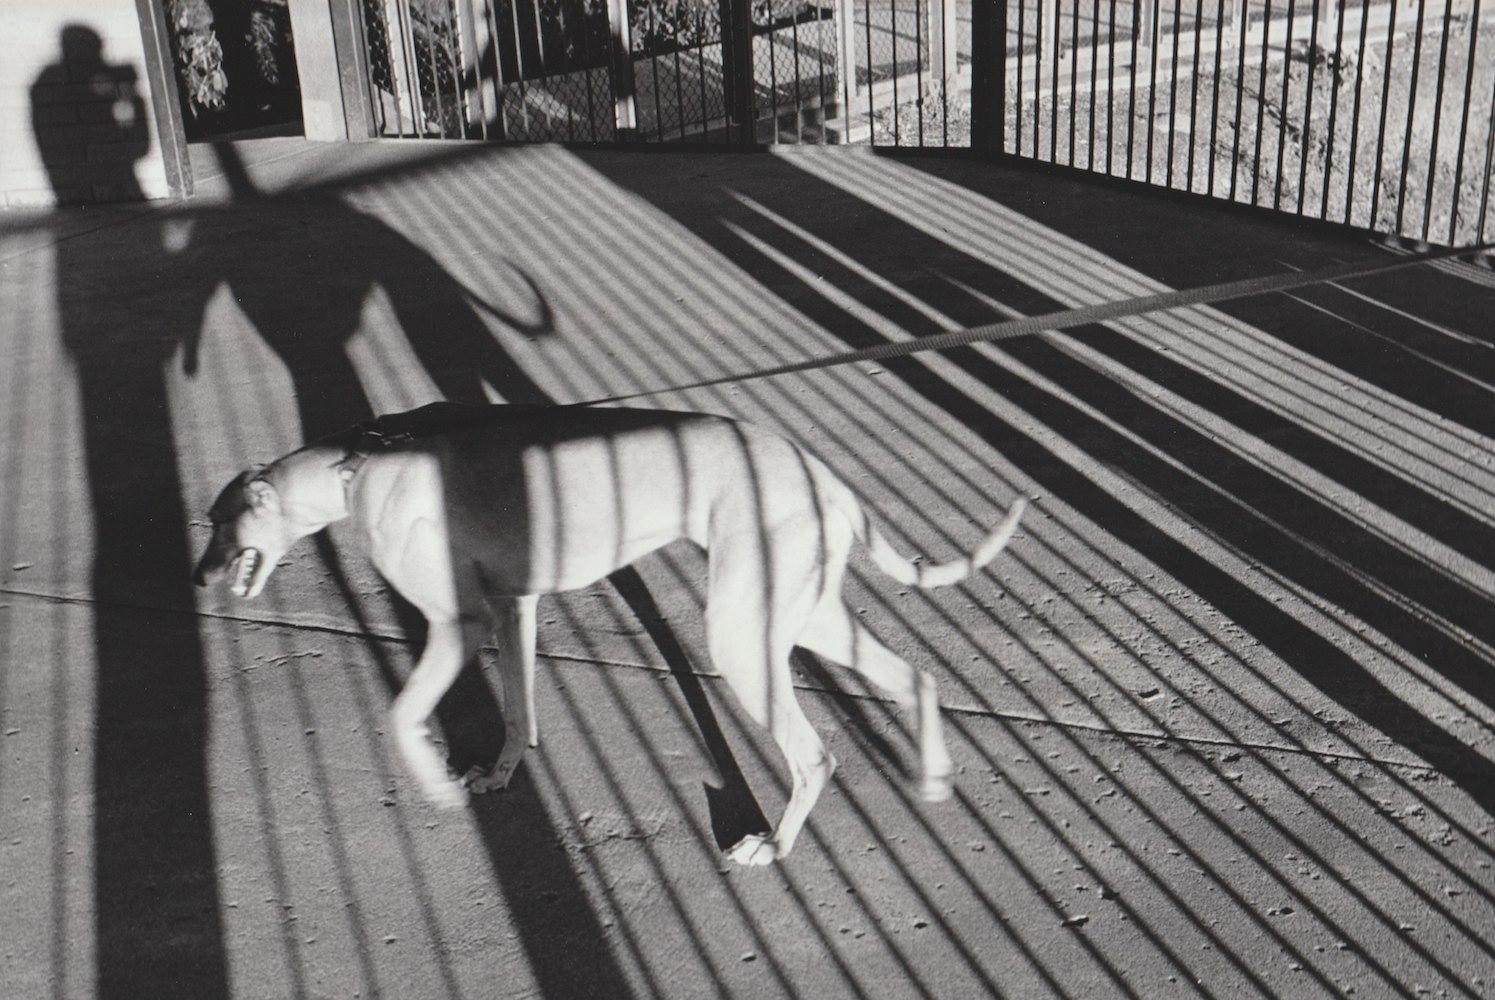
754, 849
936, 787
481, 780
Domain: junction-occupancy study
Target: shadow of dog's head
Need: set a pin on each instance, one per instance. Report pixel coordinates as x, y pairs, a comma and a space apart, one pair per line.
250, 534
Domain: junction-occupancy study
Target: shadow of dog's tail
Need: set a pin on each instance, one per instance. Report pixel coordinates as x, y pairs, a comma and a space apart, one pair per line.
905, 570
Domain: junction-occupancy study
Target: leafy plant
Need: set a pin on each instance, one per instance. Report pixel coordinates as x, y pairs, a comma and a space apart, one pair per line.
199, 57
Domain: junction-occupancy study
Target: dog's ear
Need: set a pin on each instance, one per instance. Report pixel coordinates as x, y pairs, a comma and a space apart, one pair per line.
262, 495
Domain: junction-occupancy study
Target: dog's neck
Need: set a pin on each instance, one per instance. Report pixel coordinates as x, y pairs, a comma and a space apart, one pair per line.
311, 486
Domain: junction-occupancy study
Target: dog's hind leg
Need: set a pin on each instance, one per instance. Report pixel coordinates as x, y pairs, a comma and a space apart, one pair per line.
835, 633
750, 625
515, 636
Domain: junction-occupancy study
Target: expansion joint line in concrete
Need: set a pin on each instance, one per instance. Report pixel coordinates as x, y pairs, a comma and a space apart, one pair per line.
572, 660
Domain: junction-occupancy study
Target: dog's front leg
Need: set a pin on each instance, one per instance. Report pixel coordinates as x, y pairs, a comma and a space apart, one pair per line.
447, 648
515, 635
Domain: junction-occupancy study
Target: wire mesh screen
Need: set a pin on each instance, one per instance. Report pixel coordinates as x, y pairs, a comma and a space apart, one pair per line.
1375, 114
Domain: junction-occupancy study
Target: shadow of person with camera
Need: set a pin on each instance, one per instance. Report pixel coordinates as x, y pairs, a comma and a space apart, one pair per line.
155, 867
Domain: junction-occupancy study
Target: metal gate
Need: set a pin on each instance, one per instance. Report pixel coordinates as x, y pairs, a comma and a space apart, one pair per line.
743, 71
1379, 114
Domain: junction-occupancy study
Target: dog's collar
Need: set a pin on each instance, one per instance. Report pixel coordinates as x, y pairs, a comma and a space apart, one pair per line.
366, 440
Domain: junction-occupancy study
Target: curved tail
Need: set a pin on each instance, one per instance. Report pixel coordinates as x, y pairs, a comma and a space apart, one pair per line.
904, 570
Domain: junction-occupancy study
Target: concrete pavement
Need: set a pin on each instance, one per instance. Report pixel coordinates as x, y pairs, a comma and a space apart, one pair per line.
1222, 715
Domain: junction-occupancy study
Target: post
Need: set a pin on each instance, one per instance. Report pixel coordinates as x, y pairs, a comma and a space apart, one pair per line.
625, 109
846, 60
989, 75
167, 110
942, 52
737, 65
470, 46
322, 114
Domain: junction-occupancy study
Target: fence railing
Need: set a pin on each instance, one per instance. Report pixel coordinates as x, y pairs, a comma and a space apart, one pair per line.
1373, 113
1379, 115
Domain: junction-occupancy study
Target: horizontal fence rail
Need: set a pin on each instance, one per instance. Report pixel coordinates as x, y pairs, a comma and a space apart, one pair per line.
1375, 114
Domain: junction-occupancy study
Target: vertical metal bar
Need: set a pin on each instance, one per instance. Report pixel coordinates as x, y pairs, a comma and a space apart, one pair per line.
1349, 197
435, 66
1306, 145
1152, 86
1375, 191
653, 58
1131, 92
587, 70
565, 63
625, 87
404, 38
1022, 28
1172, 94
700, 17
394, 83
1261, 100
679, 75
498, 70
893, 15
1287, 76
999, 68
918, 66
943, 61
1484, 198
460, 76
1111, 91
1333, 107
1458, 170
871, 108
1038, 51
820, 74
1240, 92
1054, 9
1194, 91
799, 99
1214, 115
1094, 71
1427, 208
1401, 187
950, 65
1074, 76
519, 69
773, 67
846, 60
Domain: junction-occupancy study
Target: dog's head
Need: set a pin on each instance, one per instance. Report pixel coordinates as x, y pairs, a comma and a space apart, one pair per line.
250, 534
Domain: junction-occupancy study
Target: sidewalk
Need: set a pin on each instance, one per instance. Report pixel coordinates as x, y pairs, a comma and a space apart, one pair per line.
1222, 714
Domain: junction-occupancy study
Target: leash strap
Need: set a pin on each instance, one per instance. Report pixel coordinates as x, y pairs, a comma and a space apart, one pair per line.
1068, 318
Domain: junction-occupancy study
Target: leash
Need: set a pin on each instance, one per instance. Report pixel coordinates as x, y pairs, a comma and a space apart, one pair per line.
1068, 318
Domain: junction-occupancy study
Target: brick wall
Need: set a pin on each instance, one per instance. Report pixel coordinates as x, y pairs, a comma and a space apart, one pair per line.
76, 122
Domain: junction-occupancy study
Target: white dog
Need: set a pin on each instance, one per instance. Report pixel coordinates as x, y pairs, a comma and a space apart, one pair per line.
471, 512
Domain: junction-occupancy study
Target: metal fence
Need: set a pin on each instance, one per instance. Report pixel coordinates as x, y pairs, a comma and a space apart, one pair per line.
1376, 114
658, 70
1379, 115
